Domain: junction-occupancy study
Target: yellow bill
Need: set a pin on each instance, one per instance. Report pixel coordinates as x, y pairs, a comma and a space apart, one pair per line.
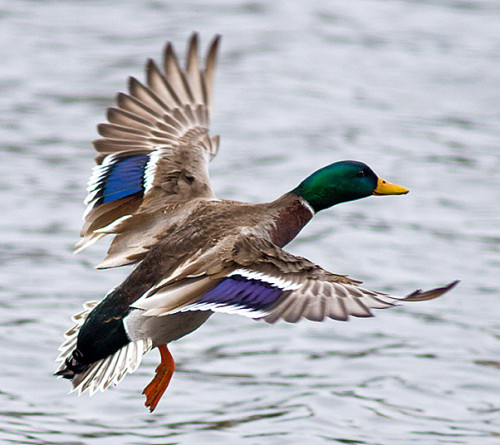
386, 188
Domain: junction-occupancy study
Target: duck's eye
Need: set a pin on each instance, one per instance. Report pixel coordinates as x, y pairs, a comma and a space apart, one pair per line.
361, 174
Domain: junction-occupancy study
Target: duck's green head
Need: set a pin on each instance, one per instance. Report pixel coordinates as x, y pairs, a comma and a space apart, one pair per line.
343, 181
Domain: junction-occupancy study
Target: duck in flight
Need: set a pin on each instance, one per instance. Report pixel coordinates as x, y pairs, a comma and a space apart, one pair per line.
196, 254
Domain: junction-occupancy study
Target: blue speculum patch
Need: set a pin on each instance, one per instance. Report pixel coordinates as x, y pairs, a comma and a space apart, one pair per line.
124, 177
242, 292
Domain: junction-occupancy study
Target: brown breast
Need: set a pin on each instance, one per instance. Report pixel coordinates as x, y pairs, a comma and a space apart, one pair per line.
292, 216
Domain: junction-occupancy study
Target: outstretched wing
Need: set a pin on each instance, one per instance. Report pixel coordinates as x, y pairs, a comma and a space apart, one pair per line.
262, 281
156, 148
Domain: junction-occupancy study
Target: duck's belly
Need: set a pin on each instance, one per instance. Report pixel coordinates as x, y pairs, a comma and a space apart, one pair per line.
163, 330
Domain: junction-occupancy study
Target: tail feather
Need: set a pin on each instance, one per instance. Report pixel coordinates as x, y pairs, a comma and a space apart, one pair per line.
99, 375
70, 365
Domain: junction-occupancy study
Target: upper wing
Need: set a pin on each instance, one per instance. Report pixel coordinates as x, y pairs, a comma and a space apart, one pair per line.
156, 148
263, 281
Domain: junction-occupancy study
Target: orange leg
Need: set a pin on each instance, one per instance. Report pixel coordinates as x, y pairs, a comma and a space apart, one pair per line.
158, 385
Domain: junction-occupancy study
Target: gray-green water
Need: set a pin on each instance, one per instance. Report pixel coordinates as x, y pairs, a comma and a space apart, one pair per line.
411, 88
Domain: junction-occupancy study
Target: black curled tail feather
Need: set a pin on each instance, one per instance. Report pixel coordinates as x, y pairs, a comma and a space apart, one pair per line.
72, 366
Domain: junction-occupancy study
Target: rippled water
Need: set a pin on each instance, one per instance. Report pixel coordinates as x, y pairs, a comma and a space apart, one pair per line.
412, 88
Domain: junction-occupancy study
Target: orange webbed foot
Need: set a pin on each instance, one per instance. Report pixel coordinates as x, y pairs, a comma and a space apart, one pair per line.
158, 385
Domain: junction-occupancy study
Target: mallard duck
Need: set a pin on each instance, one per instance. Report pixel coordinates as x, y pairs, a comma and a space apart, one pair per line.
197, 254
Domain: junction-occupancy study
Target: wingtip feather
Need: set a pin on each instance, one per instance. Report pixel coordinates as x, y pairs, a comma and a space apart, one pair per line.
420, 295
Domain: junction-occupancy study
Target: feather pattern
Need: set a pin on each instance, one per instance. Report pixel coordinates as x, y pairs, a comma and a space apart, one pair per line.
116, 178
260, 300
243, 292
262, 281
155, 149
